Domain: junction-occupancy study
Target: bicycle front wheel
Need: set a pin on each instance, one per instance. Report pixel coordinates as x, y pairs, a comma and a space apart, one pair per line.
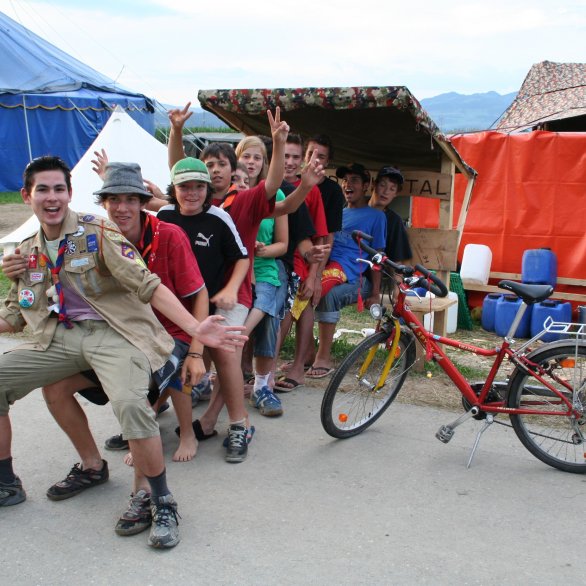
556, 439
352, 402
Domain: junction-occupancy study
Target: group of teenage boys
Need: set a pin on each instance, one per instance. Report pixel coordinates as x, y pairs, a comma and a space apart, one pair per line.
118, 309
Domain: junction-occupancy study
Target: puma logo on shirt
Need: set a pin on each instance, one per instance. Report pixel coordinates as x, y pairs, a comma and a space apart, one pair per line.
201, 240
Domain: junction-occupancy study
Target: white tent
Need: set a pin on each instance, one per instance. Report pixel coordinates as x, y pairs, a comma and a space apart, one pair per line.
124, 141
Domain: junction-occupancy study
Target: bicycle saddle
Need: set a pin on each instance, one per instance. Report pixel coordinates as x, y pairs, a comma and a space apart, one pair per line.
530, 294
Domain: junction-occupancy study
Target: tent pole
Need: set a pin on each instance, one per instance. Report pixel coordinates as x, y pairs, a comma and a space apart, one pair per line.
28, 138
85, 117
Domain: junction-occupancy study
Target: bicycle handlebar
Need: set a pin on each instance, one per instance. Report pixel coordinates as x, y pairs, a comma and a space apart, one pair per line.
436, 287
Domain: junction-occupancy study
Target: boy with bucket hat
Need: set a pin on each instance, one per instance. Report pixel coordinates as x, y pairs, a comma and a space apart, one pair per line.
84, 291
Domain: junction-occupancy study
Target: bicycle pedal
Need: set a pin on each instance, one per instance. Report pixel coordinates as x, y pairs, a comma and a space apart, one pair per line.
445, 433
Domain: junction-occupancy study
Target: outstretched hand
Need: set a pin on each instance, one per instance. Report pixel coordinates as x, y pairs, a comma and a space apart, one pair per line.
212, 334
279, 128
178, 117
99, 163
312, 172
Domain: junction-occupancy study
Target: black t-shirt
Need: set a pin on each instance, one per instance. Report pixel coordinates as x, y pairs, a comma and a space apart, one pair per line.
300, 227
398, 247
214, 241
333, 199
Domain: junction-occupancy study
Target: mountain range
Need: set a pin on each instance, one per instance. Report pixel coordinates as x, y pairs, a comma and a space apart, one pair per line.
452, 112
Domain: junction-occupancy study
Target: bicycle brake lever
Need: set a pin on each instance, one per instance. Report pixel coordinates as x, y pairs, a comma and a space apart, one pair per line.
368, 262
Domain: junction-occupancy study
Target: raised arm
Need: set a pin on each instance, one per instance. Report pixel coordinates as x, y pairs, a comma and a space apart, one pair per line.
311, 175
177, 118
279, 132
99, 163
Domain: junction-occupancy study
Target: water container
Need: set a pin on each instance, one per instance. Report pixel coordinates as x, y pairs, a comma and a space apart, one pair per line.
488, 311
452, 317
539, 266
476, 261
506, 310
582, 314
558, 310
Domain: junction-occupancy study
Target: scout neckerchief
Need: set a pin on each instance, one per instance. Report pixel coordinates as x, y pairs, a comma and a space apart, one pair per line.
229, 199
149, 239
55, 268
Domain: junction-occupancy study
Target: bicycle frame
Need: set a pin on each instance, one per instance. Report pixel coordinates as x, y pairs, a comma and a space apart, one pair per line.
434, 341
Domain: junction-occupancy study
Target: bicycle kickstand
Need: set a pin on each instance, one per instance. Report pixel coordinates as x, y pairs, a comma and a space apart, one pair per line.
446, 432
487, 423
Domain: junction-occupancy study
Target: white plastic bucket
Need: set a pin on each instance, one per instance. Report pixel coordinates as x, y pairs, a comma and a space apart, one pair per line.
452, 322
476, 263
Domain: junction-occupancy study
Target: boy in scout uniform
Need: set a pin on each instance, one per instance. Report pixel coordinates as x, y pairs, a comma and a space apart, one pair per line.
85, 296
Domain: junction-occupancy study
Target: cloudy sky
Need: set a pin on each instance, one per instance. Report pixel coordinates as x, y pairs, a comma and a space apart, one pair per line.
169, 49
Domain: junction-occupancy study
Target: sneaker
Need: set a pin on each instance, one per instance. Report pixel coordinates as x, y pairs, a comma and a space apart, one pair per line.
249, 437
11, 493
137, 517
116, 443
164, 530
202, 391
77, 481
266, 402
237, 449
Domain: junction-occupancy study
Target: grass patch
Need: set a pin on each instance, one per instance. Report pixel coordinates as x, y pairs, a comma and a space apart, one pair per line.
4, 286
10, 197
471, 373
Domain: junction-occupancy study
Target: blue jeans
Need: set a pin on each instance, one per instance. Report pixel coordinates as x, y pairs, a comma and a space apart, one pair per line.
328, 309
265, 333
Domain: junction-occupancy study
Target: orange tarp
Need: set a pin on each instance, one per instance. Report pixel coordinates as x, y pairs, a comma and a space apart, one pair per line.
530, 193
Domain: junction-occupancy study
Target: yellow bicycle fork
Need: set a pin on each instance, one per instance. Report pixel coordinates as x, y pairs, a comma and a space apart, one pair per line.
389, 361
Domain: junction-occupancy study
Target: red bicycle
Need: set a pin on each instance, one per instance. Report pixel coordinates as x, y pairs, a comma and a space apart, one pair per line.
544, 398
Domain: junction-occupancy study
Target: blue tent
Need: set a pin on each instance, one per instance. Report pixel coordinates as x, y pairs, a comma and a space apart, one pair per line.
51, 103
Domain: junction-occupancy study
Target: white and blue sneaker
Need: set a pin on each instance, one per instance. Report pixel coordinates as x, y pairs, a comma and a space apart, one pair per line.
266, 402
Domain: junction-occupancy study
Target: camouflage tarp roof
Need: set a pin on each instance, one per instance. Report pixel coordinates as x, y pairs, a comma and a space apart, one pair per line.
551, 91
373, 125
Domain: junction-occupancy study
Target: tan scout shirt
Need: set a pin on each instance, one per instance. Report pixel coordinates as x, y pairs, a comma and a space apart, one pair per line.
106, 271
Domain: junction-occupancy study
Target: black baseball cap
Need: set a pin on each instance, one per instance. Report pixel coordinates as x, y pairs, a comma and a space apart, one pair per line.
392, 173
355, 169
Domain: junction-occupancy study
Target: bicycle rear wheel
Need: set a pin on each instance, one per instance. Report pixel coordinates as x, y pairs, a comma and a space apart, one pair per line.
351, 403
557, 440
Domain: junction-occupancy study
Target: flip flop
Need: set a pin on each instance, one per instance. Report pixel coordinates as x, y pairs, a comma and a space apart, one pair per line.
200, 435
293, 384
319, 372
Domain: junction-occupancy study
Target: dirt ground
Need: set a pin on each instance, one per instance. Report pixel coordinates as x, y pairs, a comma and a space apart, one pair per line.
428, 385
12, 215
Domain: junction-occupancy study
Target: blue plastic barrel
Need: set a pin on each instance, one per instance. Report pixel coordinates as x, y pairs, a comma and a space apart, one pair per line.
539, 266
489, 311
506, 310
559, 311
